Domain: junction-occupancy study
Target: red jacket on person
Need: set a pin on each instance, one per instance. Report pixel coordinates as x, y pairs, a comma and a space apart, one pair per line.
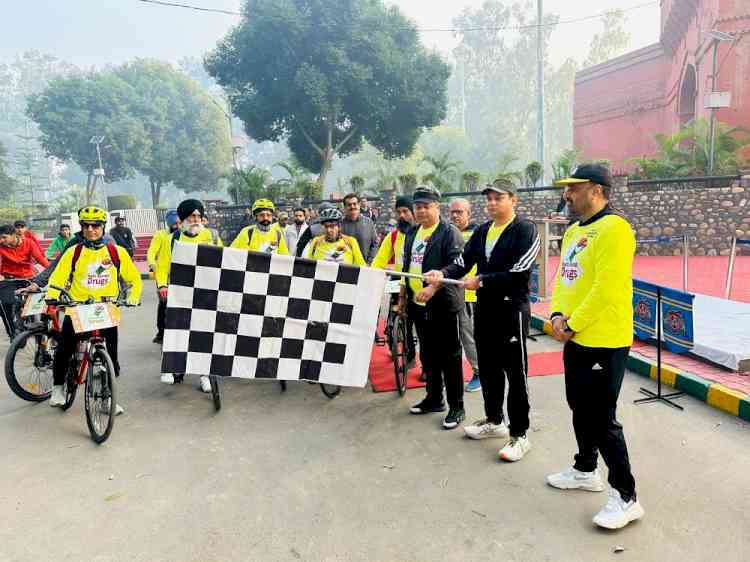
17, 262
32, 238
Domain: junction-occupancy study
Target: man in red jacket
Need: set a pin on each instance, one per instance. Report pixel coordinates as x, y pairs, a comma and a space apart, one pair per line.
17, 254
23, 231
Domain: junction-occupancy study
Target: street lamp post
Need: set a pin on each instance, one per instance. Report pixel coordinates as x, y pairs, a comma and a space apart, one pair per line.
716, 37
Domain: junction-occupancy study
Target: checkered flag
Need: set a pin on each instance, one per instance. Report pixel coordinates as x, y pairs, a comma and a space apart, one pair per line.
234, 313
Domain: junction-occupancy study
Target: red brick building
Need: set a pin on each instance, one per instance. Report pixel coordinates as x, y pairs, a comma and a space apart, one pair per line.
621, 104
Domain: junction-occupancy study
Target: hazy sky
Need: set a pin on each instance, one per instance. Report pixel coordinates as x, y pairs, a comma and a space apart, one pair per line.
96, 32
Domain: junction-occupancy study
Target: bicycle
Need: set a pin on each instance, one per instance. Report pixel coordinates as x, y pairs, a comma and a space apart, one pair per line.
91, 366
28, 362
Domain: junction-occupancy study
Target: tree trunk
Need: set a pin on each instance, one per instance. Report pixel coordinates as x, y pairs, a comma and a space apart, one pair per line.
326, 167
155, 193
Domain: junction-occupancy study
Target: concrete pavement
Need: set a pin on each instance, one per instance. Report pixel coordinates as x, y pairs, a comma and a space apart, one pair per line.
296, 476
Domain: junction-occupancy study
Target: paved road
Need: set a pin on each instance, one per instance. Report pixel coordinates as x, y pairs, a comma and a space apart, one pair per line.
298, 477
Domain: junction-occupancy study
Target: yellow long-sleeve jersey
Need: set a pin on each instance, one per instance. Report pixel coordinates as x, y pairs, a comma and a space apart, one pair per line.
164, 260
256, 240
344, 250
391, 254
156, 243
594, 284
95, 275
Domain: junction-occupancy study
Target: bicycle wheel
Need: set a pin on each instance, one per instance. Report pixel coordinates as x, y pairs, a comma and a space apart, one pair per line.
28, 364
100, 396
330, 390
400, 354
215, 391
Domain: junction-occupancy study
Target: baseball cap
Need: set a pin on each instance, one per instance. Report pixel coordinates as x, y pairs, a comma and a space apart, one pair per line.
594, 173
500, 185
426, 194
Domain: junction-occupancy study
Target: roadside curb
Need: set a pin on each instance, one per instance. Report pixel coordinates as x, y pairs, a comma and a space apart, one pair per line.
714, 394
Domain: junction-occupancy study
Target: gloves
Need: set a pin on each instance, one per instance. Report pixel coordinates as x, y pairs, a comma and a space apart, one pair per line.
163, 292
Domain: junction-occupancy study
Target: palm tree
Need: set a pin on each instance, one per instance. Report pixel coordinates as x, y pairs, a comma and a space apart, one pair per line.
444, 172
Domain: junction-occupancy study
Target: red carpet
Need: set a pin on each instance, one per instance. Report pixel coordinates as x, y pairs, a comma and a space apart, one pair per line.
382, 377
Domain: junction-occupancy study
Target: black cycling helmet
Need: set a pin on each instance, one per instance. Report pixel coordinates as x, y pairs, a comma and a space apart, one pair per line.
331, 214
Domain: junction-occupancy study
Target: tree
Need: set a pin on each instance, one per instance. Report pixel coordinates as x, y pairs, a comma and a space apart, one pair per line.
327, 74
470, 181
72, 110
7, 183
408, 183
444, 171
533, 173
565, 163
611, 42
357, 183
248, 184
189, 136
687, 152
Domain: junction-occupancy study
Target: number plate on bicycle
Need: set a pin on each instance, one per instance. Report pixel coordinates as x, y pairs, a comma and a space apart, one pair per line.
34, 305
97, 316
393, 286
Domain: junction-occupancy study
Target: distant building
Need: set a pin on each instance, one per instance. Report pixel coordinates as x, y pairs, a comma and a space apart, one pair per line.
621, 104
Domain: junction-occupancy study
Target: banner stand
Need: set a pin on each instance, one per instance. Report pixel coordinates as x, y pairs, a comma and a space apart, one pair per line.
658, 396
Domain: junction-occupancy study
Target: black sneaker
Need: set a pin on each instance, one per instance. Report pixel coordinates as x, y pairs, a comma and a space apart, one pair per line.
158, 338
426, 407
454, 418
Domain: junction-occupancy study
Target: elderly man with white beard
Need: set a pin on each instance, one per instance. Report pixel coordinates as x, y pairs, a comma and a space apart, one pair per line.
191, 231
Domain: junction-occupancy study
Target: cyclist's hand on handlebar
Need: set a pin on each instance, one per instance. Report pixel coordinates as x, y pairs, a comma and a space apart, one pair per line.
31, 288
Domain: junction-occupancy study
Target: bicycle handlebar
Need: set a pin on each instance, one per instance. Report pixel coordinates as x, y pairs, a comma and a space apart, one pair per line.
70, 302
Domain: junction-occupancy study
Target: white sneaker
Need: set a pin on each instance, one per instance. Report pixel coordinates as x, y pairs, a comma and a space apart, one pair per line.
482, 429
119, 410
167, 378
515, 449
573, 479
58, 396
205, 384
617, 513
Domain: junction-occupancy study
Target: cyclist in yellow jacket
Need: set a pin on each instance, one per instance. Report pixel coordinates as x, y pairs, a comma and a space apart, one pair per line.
94, 270
158, 242
191, 231
592, 314
263, 236
332, 245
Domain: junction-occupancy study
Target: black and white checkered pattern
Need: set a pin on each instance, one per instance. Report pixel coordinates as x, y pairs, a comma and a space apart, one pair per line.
250, 315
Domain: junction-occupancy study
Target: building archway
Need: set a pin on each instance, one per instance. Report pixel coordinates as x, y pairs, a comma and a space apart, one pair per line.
688, 94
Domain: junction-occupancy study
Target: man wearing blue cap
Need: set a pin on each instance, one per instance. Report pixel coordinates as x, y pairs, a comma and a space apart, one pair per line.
160, 238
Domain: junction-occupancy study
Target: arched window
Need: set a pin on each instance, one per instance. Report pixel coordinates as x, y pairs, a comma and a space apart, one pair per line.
688, 93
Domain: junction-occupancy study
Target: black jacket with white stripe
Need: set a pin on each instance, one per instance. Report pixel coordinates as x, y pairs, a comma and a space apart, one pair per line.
505, 276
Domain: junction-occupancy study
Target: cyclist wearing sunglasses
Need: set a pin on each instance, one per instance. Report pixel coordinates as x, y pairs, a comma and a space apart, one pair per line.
93, 270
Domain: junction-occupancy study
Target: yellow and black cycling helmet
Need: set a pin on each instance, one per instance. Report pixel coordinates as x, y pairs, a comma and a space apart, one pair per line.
92, 214
263, 205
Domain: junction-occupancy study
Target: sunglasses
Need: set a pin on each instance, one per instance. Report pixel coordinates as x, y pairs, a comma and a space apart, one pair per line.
94, 225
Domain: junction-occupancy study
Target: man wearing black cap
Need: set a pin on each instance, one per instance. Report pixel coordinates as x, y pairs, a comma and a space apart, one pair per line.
191, 231
434, 244
592, 314
503, 249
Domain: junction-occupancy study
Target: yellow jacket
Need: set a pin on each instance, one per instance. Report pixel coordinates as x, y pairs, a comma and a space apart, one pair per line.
155, 246
594, 283
253, 239
95, 275
389, 250
344, 250
164, 260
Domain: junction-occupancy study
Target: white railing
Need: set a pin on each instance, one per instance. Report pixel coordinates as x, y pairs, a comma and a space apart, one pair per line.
140, 221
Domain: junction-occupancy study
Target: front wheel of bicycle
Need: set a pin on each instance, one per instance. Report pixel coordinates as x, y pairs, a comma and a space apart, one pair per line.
101, 398
28, 364
330, 390
215, 391
400, 354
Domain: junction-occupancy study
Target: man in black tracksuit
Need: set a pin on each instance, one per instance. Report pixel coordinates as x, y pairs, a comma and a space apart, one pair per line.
504, 250
432, 244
